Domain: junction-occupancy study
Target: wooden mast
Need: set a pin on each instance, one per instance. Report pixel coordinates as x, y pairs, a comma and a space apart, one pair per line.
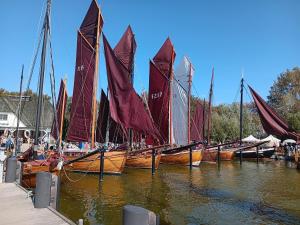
62, 113
189, 103
94, 110
210, 108
170, 101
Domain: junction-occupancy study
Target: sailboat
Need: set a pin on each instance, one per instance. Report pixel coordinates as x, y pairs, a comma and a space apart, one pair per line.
169, 104
32, 165
126, 107
84, 105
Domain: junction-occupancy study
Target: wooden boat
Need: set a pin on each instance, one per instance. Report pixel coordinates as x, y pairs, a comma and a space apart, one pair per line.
212, 155
142, 160
31, 168
227, 155
182, 157
114, 162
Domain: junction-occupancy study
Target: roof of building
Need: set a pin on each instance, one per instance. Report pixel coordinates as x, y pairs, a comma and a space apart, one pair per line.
9, 104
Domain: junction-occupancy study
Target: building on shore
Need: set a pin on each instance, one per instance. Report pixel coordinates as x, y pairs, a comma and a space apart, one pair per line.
9, 116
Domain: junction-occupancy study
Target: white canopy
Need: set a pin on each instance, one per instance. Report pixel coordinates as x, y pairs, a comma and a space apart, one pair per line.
251, 139
273, 141
288, 141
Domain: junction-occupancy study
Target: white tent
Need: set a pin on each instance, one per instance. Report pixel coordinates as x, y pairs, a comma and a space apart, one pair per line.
273, 141
288, 141
250, 139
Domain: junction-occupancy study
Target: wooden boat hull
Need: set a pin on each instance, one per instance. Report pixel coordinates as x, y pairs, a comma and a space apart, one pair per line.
209, 155
182, 158
114, 163
227, 155
30, 170
142, 160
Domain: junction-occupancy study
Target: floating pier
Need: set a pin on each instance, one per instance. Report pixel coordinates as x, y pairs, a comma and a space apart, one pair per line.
17, 208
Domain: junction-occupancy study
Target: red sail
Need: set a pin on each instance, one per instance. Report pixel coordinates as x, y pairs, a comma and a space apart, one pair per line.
125, 50
60, 109
90, 24
165, 58
271, 121
159, 88
158, 101
197, 123
126, 107
84, 82
102, 118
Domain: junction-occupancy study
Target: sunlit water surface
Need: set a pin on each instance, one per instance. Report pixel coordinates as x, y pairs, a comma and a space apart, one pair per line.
267, 193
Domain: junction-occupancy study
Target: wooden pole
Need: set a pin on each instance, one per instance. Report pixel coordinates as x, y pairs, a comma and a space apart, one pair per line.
191, 158
17, 145
170, 102
101, 164
153, 161
95, 85
241, 117
257, 154
62, 116
189, 104
219, 149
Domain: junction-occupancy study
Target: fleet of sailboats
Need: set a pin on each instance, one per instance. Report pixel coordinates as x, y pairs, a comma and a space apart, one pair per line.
133, 128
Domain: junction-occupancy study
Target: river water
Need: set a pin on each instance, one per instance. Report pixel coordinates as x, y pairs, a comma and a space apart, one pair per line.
267, 193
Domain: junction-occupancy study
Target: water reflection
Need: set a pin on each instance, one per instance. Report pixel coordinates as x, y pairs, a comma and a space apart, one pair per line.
268, 193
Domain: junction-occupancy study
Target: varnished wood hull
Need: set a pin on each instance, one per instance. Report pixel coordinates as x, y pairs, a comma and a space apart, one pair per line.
142, 160
227, 155
29, 173
114, 163
182, 158
209, 155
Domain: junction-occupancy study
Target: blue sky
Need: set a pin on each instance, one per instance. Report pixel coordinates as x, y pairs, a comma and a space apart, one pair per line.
260, 37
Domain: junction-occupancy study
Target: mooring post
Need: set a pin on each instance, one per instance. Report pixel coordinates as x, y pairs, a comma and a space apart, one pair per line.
42, 195
219, 149
153, 161
241, 157
11, 170
257, 154
101, 164
191, 158
134, 215
55, 190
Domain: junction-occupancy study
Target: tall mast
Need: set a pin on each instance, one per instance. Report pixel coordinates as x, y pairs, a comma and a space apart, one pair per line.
209, 107
131, 79
204, 121
170, 102
189, 103
62, 114
241, 110
95, 85
19, 113
41, 78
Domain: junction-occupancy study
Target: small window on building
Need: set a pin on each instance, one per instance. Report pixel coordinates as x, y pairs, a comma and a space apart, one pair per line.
3, 117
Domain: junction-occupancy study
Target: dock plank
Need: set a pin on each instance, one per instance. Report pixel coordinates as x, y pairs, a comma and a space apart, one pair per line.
17, 208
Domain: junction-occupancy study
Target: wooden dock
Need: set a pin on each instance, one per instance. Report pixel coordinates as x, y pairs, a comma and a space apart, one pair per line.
16, 208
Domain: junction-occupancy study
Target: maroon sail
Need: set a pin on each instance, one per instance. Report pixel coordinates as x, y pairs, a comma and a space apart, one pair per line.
159, 88
60, 110
197, 120
84, 82
126, 108
165, 58
103, 115
210, 107
158, 101
271, 121
125, 50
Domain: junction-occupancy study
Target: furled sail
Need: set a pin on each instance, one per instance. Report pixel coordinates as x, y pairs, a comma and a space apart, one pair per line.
81, 116
159, 89
197, 123
126, 108
103, 115
60, 111
180, 102
271, 121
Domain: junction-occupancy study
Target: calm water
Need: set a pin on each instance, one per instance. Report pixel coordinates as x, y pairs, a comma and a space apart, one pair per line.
268, 193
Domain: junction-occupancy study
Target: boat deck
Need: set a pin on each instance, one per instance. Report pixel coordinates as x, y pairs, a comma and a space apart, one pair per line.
17, 208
